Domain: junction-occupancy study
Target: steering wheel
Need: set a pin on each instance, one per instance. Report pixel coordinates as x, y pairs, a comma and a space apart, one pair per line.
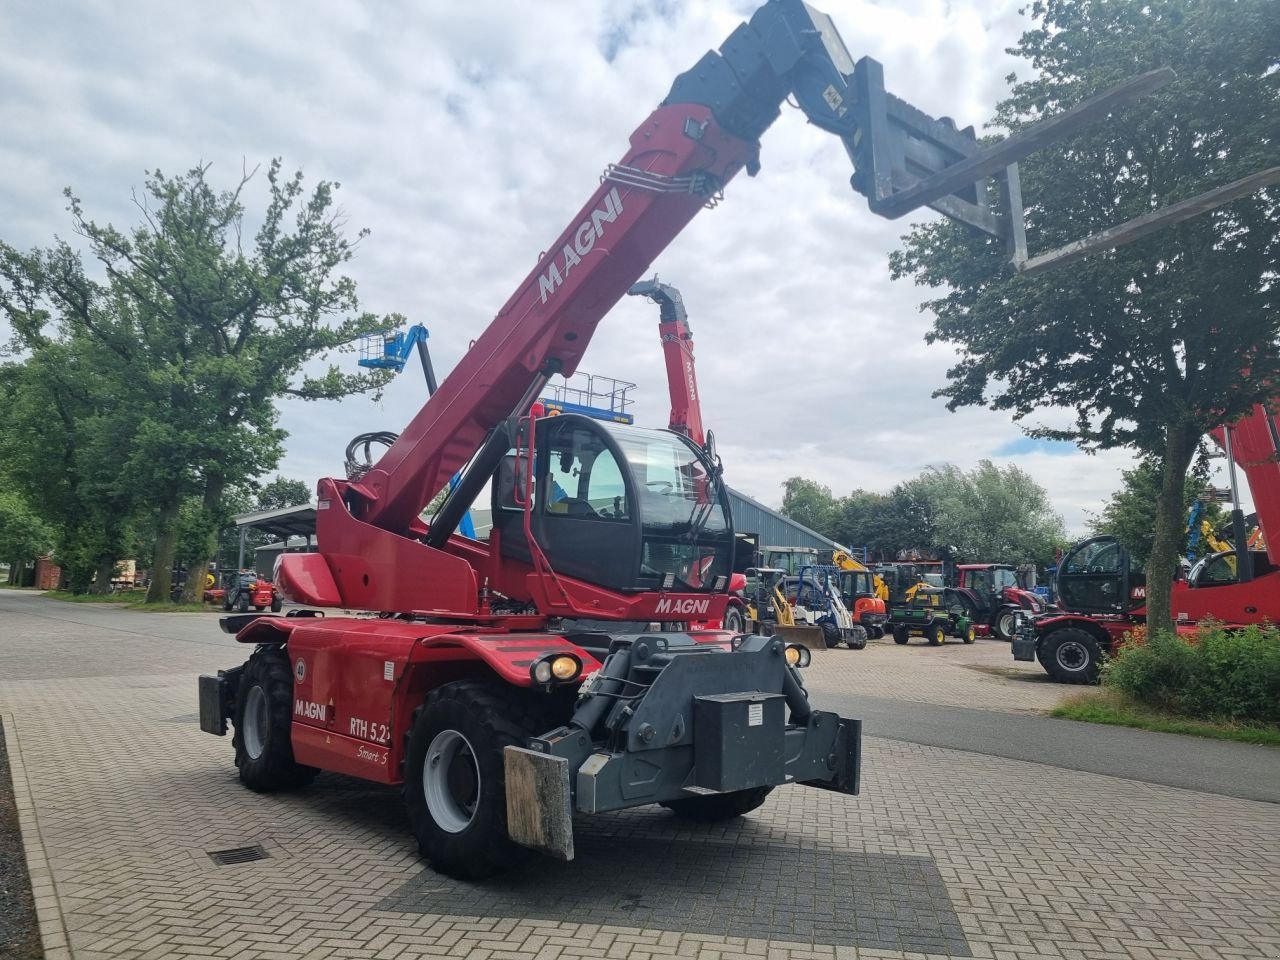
661, 483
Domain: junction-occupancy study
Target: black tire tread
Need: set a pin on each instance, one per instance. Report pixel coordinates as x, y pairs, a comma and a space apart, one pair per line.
276, 769
507, 717
1048, 644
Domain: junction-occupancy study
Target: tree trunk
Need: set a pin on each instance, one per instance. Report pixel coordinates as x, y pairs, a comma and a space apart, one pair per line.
15, 570
193, 591
166, 544
102, 579
1171, 524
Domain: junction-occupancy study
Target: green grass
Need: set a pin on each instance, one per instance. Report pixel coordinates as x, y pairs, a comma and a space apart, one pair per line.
1110, 707
130, 600
13, 586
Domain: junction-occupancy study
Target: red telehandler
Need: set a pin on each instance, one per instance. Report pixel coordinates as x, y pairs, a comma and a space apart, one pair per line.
477, 689
1105, 598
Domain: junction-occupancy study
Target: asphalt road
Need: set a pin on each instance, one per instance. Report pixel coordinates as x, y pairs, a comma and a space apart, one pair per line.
1192, 763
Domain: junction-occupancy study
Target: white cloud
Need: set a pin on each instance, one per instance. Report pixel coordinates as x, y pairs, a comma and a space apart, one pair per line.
466, 136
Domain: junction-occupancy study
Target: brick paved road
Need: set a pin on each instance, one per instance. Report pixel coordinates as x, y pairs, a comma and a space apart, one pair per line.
947, 853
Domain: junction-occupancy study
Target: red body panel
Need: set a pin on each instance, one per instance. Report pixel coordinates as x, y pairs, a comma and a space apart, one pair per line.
682, 380
357, 682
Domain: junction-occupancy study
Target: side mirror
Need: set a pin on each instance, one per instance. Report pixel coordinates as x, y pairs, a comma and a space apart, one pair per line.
709, 446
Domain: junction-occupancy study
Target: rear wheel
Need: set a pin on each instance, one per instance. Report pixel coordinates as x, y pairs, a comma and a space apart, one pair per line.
1070, 655
858, 638
263, 715
455, 778
718, 806
276, 604
901, 634
937, 634
734, 621
242, 605
1005, 624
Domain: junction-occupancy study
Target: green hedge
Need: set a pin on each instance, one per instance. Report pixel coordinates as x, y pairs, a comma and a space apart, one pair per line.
1222, 674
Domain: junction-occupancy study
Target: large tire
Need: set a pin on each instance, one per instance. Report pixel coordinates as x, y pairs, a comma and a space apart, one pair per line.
226, 600
937, 634
830, 634
734, 620
242, 605
714, 807
276, 604
858, 639
901, 634
1070, 655
455, 778
1003, 624
263, 717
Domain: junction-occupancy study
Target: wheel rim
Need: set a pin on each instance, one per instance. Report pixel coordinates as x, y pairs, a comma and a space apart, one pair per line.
1072, 656
255, 722
451, 781
1006, 624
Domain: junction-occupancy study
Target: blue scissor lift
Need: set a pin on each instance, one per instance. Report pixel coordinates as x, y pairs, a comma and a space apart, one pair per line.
389, 350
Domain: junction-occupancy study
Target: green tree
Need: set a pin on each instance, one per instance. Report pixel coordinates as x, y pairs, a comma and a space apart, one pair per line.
208, 334
808, 502
281, 492
1130, 513
991, 514
24, 537
1156, 342
68, 431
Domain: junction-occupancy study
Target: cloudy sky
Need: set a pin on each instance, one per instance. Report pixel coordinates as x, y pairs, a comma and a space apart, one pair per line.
465, 135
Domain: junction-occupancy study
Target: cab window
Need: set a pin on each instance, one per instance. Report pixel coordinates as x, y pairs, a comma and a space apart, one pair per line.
583, 478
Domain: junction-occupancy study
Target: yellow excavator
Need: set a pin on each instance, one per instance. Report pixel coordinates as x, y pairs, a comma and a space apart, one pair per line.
864, 592
845, 561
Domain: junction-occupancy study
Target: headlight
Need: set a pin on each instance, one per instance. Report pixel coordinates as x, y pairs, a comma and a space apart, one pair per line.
556, 668
798, 656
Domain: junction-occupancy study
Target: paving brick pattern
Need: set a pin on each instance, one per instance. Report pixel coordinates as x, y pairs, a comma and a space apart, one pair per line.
945, 853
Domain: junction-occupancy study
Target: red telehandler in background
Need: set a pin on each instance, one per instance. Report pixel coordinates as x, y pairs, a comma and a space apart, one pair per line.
475, 689
1105, 597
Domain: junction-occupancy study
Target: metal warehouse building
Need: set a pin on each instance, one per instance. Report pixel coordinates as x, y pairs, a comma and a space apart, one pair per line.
770, 528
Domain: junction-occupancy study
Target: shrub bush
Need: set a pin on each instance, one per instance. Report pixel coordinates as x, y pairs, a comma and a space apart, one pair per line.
1218, 674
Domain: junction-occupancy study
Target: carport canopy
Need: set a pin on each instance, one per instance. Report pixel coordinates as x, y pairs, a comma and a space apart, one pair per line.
282, 523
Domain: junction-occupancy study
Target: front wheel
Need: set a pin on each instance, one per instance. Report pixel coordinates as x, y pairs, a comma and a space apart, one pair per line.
242, 605
276, 604
715, 807
263, 716
858, 638
901, 634
830, 634
734, 621
1070, 655
455, 777
937, 634
970, 634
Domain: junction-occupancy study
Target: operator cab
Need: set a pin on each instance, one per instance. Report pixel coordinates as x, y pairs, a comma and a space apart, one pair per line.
626, 508
856, 585
1219, 569
1095, 577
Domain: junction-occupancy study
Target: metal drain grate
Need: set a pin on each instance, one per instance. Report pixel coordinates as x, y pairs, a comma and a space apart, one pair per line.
236, 855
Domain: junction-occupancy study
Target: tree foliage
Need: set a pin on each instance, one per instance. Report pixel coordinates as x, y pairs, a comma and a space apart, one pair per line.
989, 514
196, 334
1152, 344
1130, 513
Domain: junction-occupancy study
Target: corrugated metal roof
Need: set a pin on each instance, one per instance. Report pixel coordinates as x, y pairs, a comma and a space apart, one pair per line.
773, 529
